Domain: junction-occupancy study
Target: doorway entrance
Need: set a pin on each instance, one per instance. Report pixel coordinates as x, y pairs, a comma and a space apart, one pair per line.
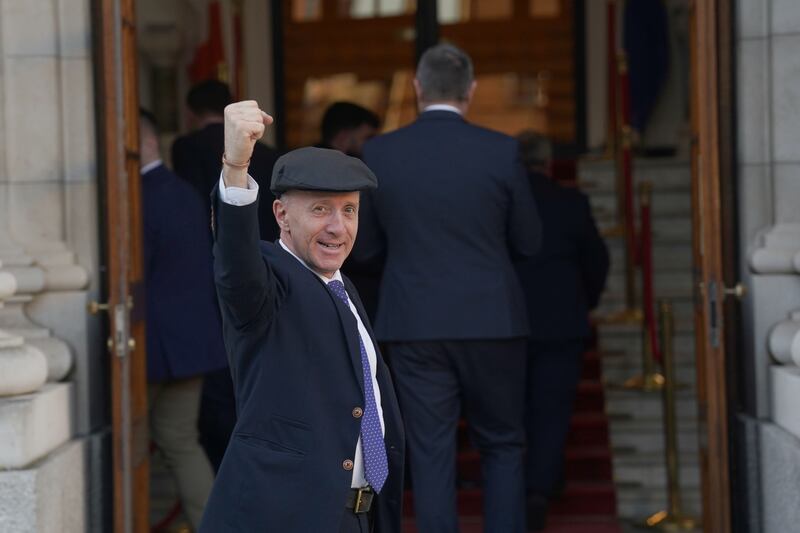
528, 78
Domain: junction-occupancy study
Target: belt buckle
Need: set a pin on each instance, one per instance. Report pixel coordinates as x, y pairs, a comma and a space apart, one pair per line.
362, 501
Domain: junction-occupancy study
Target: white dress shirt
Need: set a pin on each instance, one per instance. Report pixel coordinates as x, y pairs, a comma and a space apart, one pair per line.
442, 107
150, 166
238, 196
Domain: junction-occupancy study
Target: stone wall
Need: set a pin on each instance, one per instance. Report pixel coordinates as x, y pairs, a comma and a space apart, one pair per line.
50, 365
768, 116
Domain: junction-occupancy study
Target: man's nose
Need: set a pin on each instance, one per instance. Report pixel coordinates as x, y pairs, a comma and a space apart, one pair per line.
335, 223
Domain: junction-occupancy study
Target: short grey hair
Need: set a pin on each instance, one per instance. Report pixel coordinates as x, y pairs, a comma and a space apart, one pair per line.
444, 73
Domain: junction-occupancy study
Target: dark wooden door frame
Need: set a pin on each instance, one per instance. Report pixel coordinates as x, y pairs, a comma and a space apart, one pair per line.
722, 384
116, 90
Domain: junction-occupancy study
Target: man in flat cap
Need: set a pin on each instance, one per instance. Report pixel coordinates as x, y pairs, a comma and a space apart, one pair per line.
318, 446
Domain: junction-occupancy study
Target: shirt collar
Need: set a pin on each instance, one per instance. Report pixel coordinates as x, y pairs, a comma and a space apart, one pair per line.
442, 107
336, 275
150, 166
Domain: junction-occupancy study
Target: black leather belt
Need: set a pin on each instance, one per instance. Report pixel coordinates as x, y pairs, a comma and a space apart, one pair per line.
360, 500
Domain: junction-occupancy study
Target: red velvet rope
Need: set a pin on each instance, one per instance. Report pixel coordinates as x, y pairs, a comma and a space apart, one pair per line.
648, 300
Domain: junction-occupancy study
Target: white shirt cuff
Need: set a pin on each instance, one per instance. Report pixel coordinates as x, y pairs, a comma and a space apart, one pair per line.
237, 195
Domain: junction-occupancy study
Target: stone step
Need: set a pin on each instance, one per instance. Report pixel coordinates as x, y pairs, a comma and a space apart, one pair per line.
666, 229
667, 283
636, 504
626, 346
675, 204
685, 372
649, 471
644, 436
667, 257
683, 325
664, 174
636, 405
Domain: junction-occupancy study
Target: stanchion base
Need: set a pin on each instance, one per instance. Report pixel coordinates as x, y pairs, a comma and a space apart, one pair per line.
646, 383
664, 521
626, 316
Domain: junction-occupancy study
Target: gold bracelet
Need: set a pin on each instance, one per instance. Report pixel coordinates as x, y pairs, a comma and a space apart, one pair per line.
234, 165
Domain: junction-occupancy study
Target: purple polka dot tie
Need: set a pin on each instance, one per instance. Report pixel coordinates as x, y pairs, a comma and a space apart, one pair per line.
376, 466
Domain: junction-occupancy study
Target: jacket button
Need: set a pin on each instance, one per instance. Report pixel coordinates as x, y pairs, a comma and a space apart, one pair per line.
357, 412
347, 464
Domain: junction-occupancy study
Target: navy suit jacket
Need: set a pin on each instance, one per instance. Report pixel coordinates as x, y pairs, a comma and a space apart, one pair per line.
453, 205
565, 280
184, 331
197, 158
296, 366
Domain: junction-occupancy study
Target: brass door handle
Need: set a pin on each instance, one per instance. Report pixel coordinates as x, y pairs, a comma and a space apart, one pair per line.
739, 291
95, 307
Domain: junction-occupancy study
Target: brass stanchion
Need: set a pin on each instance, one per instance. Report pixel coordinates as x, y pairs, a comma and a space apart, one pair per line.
672, 519
650, 380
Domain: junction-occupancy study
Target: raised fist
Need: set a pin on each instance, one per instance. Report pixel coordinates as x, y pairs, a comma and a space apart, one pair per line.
244, 125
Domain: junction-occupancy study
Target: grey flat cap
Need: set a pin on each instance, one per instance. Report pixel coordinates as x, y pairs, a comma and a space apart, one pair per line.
320, 169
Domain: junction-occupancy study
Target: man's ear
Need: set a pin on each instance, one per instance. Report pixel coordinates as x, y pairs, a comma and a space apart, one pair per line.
471, 91
279, 210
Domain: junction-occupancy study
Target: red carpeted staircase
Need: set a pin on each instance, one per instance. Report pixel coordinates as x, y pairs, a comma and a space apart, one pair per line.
588, 503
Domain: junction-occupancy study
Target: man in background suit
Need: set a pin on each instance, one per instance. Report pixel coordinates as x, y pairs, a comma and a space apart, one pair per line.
318, 445
562, 283
453, 208
184, 332
196, 156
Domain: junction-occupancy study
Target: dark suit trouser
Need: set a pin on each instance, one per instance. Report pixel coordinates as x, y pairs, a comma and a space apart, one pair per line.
554, 370
433, 381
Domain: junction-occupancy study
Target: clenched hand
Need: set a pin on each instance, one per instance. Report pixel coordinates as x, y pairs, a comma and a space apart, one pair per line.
245, 123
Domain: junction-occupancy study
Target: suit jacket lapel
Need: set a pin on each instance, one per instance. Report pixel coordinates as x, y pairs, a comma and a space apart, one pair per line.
350, 329
349, 324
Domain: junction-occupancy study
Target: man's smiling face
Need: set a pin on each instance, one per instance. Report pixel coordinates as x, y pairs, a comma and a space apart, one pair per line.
319, 227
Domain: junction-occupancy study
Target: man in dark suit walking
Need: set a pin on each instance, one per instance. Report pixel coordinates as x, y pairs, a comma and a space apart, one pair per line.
184, 331
562, 283
453, 208
318, 444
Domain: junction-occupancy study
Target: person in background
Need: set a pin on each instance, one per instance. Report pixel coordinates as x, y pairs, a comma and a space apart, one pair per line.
562, 283
453, 207
347, 126
184, 331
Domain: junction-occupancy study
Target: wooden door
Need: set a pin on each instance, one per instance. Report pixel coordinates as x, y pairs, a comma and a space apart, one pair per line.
524, 52
711, 153
120, 203
331, 51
